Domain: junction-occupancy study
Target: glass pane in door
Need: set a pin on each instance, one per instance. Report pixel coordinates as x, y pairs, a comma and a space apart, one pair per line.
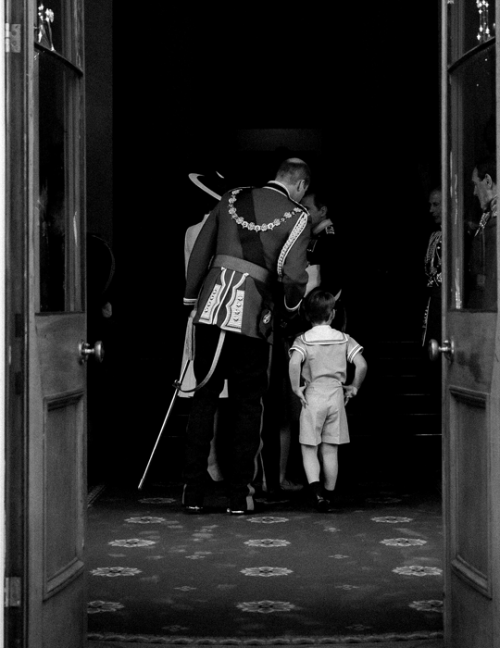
53, 195
473, 202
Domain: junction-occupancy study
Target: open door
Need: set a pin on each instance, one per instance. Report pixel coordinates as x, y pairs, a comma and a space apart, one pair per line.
470, 343
56, 453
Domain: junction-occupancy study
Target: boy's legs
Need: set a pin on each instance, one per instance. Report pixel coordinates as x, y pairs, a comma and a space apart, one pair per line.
310, 460
330, 463
312, 468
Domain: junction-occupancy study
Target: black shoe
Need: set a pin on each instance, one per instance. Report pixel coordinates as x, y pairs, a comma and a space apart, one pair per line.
193, 509
322, 505
239, 506
331, 497
192, 499
238, 511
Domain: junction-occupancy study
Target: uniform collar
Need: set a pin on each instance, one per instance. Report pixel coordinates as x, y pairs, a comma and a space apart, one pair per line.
277, 186
322, 226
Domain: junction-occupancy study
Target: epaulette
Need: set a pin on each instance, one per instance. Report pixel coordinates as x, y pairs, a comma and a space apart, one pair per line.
330, 230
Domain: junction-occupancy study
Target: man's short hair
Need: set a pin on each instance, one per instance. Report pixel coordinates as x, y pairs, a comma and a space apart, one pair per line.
293, 170
318, 305
487, 166
319, 196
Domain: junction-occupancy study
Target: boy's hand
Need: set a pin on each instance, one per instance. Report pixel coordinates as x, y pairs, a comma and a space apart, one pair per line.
300, 393
349, 392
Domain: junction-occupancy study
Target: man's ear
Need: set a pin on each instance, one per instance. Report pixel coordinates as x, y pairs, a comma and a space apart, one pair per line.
488, 180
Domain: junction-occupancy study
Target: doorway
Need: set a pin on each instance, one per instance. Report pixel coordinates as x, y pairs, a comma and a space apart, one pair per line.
382, 157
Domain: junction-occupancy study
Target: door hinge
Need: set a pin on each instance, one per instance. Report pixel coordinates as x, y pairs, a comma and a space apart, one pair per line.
13, 38
12, 592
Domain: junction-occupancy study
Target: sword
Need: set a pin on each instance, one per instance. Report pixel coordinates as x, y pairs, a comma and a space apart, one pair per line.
177, 385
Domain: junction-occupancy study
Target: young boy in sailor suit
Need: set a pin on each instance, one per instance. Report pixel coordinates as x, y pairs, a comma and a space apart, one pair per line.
320, 356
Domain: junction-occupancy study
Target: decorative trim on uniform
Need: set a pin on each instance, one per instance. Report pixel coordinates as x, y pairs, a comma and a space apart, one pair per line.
432, 261
234, 308
325, 224
299, 227
252, 226
293, 308
189, 302
209, 314
490, 213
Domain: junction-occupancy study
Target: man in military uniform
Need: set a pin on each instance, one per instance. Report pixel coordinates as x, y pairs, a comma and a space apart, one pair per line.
323, 269
250, 252
323, 253
483, 262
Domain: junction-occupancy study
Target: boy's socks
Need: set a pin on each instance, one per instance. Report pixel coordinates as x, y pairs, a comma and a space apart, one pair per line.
320, 503
315, 489
329, 494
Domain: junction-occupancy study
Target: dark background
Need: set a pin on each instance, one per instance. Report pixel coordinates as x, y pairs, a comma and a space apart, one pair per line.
353, 90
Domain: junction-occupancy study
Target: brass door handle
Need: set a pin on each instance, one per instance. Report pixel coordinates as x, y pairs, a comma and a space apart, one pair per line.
86, 350
434, 349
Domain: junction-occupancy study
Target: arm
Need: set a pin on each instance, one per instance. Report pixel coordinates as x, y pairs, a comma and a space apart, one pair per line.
294, 371
294, 274
200, 258
360, 369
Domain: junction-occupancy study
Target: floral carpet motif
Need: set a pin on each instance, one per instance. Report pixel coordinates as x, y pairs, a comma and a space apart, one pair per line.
371, 567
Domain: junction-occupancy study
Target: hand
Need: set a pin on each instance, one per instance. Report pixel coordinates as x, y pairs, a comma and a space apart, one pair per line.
349, 392
300, 394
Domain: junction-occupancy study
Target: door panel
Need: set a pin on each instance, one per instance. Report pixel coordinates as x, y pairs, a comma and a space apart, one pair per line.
56, 479
470, 325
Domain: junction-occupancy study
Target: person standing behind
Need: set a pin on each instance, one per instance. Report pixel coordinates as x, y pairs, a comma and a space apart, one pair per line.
323, 252
324, 269
431, 327
320, 356
213, 186
254, 239
483, 256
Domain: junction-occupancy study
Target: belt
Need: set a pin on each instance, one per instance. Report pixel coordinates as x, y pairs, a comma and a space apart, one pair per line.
241, 265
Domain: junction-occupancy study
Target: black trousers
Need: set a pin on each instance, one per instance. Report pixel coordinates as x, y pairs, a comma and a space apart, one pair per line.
244, 362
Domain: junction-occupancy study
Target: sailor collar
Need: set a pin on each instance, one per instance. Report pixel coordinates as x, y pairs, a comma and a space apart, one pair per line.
323, 334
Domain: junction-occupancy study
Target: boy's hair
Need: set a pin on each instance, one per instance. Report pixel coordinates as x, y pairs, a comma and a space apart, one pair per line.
318, 305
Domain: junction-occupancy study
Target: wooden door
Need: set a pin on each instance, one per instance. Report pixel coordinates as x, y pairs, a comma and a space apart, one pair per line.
471, 330
56, 454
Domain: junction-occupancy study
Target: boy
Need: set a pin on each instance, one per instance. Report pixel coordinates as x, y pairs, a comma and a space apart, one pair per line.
320, 355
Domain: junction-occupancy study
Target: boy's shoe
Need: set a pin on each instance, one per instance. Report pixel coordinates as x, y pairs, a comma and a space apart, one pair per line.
321, 504
331, 498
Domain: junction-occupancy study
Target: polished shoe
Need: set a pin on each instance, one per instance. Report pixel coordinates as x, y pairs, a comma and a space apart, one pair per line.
238, 511
287, 485
193, 509
192, 499
321, 504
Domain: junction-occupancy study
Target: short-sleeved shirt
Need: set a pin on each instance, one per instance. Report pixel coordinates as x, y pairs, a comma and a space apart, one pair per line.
325, 353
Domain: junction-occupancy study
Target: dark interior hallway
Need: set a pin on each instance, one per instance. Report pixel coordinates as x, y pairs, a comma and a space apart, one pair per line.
363, 110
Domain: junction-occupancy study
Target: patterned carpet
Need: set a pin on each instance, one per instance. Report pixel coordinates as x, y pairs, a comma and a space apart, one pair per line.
287, 574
